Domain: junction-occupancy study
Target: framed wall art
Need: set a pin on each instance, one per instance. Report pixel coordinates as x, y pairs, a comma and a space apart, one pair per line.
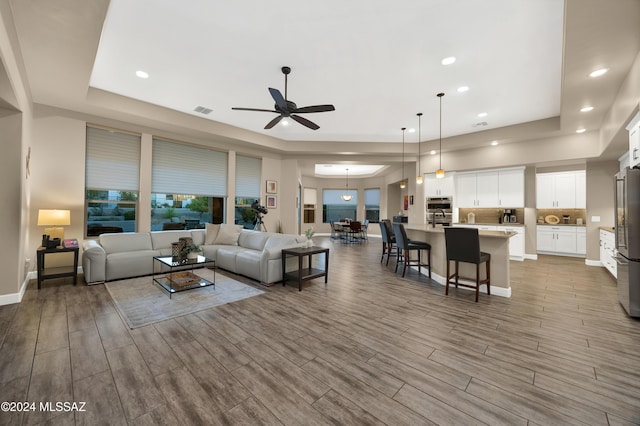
272, 201
272, 187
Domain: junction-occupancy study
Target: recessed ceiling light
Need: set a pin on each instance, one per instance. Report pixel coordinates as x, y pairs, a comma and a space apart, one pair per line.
411, 130
462, 89
581, 130
449, 60
598, 73
432, 152
142, 74
494, 143
586, 109
285, 123
482, 114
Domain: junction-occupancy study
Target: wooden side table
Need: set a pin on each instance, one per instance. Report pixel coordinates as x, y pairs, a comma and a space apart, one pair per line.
304, 274
58, 271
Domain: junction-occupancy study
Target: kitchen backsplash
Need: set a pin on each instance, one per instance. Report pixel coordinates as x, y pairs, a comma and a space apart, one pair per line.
573, 214
489, 215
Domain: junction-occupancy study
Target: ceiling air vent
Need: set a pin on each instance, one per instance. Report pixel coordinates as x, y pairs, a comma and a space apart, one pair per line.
480, 124
202, 110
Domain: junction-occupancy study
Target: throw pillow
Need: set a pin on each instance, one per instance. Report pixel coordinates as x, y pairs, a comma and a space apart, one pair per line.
211, 230
228, 235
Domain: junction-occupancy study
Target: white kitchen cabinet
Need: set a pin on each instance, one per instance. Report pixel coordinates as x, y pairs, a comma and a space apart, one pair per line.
607, 252
466, 190
511, 188
581, 240
560, 190
634, 141
434, 187
558, 240
493, 188
516, 243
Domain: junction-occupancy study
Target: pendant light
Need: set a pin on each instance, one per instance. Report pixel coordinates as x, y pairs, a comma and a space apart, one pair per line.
346, 196
440, 171
403, 183
419, 177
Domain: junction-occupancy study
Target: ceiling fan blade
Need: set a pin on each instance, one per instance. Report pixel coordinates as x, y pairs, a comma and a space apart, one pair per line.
253, 109
315, 108
273, 122
277, 96
305, 122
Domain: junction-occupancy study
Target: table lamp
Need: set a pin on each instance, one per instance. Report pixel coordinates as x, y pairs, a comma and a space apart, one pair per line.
55, 219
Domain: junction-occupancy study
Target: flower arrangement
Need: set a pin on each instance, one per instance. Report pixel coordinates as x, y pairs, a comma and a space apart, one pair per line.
309, 233
190, 248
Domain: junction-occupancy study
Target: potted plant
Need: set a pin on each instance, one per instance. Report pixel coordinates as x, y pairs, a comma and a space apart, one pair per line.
191, 251
309, 233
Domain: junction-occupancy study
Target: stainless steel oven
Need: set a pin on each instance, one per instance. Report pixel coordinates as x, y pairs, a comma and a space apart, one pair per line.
440, 210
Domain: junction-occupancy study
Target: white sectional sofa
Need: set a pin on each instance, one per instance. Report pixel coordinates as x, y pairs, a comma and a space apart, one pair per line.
253, 254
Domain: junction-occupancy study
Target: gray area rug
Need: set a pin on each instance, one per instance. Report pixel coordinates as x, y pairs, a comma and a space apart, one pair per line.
140, 301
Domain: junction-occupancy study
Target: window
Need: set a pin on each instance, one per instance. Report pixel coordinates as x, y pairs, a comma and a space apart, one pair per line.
112, 176
372, 205
188, 186
335, 208
248, 172
309, 205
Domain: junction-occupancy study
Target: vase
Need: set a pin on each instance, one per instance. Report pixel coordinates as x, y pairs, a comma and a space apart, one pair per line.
309, 242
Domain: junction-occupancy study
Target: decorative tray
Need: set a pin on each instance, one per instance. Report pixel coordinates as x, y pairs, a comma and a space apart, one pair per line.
552, 219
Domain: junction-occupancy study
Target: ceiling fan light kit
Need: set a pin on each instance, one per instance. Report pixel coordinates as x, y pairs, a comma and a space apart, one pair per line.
287, 108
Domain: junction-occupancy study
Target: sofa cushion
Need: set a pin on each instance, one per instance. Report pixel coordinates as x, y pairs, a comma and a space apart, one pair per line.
198, 236
248, 263
226, 257
253, 240
130, 264
125, 242
211, 230
228, 235
281, 240
163, 239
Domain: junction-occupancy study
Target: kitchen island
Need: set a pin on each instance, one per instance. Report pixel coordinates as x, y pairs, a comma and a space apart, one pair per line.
494, 242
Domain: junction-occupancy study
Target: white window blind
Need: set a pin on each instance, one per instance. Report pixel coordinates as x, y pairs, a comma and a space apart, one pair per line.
372, 197
310, 196
112, 160
333, 197
185, 169
248, 173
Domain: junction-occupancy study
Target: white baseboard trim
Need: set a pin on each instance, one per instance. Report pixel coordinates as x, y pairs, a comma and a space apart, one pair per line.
531, 256
495, 291
11, 298
593, 263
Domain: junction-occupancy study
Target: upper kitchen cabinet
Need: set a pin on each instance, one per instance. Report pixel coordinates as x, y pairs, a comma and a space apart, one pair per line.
634, 141
561, 190
494, 188
434, 187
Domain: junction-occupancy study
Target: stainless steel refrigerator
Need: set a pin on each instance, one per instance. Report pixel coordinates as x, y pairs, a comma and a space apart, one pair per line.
627, 231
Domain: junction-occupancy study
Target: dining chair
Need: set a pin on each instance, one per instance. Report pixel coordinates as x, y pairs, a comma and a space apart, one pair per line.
336, 231
355, 231
406, 246
365, 228
387, 242
463, 245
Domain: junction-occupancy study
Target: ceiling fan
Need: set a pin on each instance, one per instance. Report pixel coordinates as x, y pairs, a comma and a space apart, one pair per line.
288, 108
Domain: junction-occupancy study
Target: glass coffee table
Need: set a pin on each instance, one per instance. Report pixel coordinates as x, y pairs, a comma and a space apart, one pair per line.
175, 276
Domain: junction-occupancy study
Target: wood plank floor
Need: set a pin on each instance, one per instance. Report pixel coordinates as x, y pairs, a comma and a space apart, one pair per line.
368, 348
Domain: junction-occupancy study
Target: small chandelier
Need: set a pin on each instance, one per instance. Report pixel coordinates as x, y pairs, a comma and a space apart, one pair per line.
440, 171
419, 177
403, 183
346, 196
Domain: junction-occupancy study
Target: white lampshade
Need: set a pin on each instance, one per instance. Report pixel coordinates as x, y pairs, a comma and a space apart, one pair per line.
55, 219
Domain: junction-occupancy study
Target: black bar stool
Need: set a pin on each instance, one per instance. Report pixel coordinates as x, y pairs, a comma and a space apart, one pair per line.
463, 245
405, 246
